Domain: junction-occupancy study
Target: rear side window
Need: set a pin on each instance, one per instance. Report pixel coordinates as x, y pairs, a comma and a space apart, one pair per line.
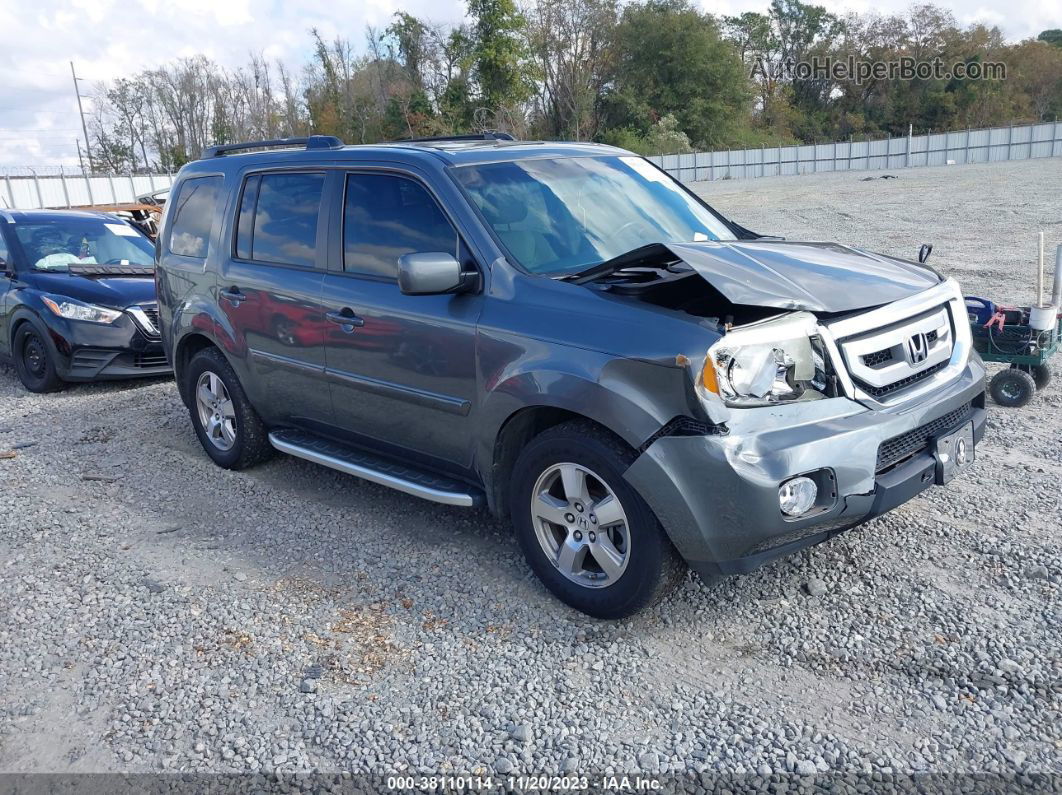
193, 216
386, 216
278, 218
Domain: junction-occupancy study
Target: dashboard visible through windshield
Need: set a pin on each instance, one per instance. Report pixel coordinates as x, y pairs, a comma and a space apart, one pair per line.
562, 215
56, 245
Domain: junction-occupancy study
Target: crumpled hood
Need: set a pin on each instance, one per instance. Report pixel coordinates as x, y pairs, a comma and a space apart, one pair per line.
816, 277
117, 293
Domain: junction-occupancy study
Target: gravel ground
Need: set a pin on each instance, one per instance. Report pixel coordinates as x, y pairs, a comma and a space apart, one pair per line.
158, 613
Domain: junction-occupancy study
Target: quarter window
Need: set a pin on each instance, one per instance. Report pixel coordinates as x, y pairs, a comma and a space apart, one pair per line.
193, 216
5, 255
386, 216
278, 218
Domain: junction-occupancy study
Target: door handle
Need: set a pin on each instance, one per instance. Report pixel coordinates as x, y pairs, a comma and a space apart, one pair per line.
346, 318
233, 295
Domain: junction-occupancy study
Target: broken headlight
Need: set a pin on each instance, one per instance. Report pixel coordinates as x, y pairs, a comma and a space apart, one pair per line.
773, 361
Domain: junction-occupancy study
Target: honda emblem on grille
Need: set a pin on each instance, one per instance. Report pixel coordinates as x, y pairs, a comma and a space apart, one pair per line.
918, 348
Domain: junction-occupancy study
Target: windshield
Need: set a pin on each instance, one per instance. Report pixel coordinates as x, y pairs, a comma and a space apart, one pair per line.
56, 245
565, 215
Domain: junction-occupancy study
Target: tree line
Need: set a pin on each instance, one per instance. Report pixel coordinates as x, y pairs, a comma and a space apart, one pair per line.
653, 76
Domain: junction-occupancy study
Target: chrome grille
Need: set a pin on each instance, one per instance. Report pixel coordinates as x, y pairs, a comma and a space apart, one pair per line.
885, 362
147, 318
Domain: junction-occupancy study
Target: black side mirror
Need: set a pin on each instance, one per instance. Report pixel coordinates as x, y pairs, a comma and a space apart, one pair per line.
433, 273
924, 252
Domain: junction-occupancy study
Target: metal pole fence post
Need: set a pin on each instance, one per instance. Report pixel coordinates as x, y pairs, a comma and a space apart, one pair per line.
966, 154
62, 179
114, 194
10, 192
1010, 139
37, 187
910, 132
88, 188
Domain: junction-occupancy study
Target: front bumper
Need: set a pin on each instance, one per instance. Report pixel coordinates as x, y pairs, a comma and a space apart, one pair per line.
96, 351
717, 496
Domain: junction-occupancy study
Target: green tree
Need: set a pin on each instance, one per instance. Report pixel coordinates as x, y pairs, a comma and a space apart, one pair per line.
499, 55
670, 58
1052, 36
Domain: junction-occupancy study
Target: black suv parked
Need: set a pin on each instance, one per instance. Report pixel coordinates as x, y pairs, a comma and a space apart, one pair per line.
565, 334
77, 298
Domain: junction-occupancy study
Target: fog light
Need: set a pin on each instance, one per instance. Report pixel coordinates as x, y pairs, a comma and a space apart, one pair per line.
797, 496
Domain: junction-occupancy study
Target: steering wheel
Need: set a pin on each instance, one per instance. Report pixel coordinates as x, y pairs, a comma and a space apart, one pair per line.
629, 224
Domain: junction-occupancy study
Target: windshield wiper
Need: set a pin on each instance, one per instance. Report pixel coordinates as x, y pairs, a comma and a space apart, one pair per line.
653, 254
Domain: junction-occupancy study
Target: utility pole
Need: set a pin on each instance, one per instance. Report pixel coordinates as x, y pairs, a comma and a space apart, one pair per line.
80, 161
80, 110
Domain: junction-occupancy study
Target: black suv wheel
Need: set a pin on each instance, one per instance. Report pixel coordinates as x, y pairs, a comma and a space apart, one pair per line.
585, 532
33, 361
226, 423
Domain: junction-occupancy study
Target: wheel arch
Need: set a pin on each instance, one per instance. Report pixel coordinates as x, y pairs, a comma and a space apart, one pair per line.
187, 347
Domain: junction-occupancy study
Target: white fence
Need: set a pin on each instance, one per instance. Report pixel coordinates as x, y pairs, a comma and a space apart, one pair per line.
34, 191
938, 149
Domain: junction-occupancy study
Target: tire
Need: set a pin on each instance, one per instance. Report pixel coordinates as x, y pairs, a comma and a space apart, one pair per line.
641, 564
234, 436
33, 361
1041, 373
1012, 388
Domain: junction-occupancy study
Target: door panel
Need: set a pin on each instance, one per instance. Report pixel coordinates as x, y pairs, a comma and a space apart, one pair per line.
403, 371
407, 375
270, 294
278, 324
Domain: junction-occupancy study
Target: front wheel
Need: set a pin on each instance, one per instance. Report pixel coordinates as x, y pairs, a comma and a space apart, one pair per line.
226, 423
1012, 388
583, 529
1041, 373
33, 361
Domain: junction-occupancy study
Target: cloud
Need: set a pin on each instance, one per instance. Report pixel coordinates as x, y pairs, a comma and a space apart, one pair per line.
112, 38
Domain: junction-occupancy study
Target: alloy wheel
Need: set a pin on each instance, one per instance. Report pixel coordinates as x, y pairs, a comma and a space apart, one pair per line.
581, 525
216, 412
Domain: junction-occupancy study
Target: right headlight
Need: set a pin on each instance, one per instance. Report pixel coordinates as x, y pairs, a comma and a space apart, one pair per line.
774, 361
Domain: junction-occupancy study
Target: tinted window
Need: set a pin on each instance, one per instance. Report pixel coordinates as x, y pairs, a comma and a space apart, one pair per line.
193, 216
278, 218
387, 216
5, 255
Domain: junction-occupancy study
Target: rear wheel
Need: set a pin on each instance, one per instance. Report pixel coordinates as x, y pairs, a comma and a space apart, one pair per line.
1041, 373
1012, 388
33, 361
226, 423
583, 529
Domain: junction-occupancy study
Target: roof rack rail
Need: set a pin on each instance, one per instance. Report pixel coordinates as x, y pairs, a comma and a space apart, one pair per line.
486, 135
313, 142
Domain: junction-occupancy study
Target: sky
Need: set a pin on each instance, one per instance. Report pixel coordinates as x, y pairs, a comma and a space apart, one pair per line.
39, 122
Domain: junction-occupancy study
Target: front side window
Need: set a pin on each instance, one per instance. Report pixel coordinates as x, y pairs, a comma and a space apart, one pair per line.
5, 255
386, 216
563, 215
55, 245
278, 218
193, 216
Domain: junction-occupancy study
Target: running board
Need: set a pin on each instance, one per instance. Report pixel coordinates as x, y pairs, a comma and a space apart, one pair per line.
377, 469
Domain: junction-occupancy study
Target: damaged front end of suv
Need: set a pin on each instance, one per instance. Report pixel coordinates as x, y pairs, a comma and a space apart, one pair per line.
840, 385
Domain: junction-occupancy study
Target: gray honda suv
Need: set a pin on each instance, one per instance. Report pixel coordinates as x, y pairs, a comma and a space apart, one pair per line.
563, 334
